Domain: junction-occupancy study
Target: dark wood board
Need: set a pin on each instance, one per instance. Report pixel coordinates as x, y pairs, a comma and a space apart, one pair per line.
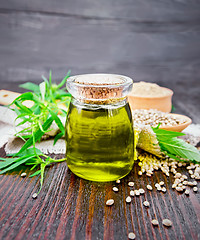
72, 208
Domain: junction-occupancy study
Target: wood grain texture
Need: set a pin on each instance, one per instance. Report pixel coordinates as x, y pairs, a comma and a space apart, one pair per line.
155, 40
72, 208
33, 43
171, 10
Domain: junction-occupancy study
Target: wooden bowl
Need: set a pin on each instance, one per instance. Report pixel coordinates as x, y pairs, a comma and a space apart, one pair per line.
179, 127
163, 103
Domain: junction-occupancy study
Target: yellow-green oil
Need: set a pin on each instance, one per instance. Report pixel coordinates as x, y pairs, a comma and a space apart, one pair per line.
99, 141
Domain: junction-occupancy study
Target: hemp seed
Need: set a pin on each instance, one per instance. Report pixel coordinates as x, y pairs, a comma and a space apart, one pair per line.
159, 188
131, 184
179, 189
146, 203
132, 193
149, 187
109, 202
190, 172
140, 173
195, 189
137, 193
23, 174
128, 199
185, 182
187, 192
34, 195
154, 222
190, 184
141, 190
194, 183
115, 189
178, 175
161, 183
131, 235
166, 222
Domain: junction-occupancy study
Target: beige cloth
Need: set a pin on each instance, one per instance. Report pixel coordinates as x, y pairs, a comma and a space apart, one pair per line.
13, 144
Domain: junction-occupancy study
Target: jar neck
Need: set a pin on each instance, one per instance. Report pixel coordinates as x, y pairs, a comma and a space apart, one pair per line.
94, 105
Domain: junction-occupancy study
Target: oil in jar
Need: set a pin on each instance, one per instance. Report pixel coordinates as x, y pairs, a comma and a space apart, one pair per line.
99, 141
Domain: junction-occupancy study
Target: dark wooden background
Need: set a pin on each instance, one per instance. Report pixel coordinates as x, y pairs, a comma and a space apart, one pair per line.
150, 40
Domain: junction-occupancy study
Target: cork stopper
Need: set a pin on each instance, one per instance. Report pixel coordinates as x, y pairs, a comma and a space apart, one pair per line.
99, 88
99, 79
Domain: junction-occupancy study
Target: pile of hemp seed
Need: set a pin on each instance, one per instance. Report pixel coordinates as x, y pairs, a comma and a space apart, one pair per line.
153, 117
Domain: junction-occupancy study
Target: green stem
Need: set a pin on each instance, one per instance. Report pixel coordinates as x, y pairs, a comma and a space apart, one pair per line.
58, 160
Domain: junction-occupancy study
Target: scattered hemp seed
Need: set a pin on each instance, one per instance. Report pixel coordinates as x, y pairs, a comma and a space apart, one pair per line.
194, 183
146, 203
173, 185
140, 173
195, 189
23, 174
185, 182
178, 175
118, 181
190, 172
132, 193
115, 189
164, 189
141, 190
166, 222
149, 187
159, 188
137, 193
109, 202
34, 195
131, 184
131, 235
154, 222
177, 181
179, 189
161, 183
190, 184
187, 192
128, 199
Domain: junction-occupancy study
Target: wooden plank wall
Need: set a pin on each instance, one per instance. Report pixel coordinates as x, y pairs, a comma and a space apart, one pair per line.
150, 40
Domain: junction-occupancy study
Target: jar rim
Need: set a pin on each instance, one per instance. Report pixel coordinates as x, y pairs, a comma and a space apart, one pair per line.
99, 88
124, 80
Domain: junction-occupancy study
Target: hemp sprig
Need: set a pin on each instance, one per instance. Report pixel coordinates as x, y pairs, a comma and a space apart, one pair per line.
174, 147
36, 121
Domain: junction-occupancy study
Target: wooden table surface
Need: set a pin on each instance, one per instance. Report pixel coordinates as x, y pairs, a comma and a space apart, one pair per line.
72, 208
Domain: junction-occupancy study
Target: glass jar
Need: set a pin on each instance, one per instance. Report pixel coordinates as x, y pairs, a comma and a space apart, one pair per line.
99, 127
